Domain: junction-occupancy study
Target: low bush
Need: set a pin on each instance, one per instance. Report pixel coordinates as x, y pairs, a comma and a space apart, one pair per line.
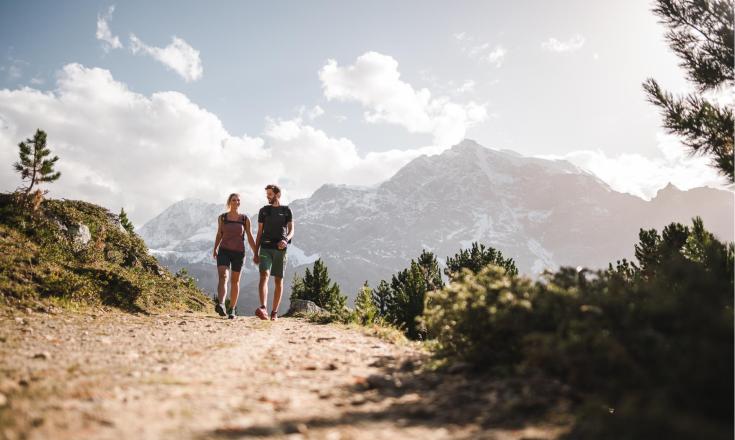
648, 346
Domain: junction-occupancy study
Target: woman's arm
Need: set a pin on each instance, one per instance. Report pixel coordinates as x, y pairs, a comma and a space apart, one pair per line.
256, 257
218, 237
251, 241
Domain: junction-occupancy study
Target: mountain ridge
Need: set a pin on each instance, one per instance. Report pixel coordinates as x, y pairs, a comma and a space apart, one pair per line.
541, 212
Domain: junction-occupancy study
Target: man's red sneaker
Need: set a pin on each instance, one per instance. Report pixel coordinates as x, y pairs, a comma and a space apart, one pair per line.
261, 313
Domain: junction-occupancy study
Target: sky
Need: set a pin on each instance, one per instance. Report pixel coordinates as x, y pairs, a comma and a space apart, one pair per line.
147, 103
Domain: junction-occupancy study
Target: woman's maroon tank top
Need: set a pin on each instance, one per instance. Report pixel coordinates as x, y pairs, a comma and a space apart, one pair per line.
232, 234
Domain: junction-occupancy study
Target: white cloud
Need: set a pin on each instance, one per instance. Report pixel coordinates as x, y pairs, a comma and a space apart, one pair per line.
104, 34
315, 112
145, 152
374, 81
481, 52
178, 56
644, 176
571, 45
497, 56
467, 86
477, 50
13, 68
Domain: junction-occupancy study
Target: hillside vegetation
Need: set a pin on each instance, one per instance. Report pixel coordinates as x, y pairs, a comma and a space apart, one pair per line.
77, 254
648, 346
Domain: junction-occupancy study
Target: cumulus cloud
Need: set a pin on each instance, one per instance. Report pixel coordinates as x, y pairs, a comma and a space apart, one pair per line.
375, 82
119, 148
178, 56
644, 176
104, 33
571, 45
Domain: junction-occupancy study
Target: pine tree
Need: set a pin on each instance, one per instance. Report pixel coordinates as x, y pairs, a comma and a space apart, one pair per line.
409, 288
125, 222
316, 286
430, 270
365, 310
297, 288
476, 258
34, 165
701, 34
383, 299
647, 251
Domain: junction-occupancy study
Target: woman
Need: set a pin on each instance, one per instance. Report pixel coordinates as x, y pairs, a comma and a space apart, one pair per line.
229, 251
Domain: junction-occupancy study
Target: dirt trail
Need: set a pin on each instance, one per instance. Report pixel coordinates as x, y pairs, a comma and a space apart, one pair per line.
191, 376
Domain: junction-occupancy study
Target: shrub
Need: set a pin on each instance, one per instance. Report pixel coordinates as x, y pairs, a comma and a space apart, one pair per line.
651, 343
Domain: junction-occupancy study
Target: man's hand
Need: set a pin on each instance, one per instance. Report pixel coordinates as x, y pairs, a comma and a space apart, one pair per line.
282, 244
214, 253
256, 259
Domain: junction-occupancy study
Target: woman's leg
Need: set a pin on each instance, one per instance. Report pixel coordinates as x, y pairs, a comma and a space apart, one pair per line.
222, 274
234, 288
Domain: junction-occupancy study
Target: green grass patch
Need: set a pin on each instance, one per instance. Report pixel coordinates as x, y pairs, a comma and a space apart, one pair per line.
44, 258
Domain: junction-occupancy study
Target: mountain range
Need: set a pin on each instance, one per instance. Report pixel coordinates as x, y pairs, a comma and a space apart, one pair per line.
542, 213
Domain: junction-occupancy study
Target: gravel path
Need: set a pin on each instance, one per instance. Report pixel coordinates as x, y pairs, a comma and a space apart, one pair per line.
191, 376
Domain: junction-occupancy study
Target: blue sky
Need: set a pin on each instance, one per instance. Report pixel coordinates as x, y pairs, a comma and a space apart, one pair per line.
280, 86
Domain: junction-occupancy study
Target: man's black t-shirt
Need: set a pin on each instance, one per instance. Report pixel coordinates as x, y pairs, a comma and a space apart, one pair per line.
275, 220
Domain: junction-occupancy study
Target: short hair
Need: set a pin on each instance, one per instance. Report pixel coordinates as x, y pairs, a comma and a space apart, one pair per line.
274, 188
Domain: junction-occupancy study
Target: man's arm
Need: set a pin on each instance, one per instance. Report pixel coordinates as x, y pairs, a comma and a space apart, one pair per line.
283, 244
289, 235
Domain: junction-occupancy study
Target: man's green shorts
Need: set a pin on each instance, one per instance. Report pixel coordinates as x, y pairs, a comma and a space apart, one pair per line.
273, 261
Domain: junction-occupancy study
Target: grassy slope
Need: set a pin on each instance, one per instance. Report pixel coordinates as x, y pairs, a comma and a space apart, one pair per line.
41, 261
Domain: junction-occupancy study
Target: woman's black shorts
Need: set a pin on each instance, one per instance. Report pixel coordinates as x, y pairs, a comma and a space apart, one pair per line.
232, 259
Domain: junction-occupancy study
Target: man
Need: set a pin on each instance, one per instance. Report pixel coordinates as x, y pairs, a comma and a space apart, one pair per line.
275, 231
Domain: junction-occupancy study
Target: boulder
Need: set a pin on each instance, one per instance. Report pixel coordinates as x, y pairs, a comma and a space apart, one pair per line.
80, 233
303, 307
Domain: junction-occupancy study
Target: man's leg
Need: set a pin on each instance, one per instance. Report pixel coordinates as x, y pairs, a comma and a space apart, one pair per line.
265, 272
277, 293
263, 287
261, 312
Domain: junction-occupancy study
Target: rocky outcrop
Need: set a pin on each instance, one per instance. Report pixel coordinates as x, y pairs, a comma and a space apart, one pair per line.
303, 307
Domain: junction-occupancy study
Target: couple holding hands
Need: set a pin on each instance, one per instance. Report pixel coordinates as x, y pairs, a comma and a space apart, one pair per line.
275, 230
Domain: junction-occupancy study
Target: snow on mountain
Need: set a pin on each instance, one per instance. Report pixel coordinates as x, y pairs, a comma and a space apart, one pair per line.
182, 225
543, 213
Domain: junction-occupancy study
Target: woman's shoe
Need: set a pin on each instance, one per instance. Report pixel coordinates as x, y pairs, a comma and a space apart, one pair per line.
219, 309
274, 316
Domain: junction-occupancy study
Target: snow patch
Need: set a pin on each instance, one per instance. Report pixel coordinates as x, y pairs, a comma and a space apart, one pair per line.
298, 257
